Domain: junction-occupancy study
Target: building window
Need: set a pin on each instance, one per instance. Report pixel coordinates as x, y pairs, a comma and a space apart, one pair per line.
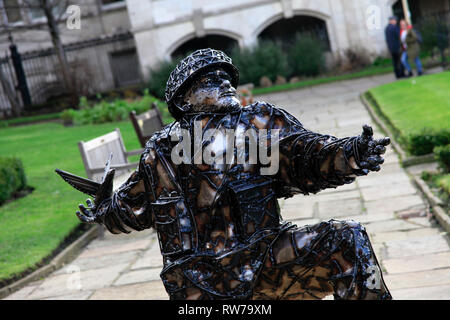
113, 4
35, 11
12, 11
106, 2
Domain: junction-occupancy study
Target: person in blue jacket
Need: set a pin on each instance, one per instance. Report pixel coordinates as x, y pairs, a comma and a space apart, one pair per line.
392, 34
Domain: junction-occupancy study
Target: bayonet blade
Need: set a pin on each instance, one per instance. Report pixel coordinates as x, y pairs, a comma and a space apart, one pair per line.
86, 186
107, 167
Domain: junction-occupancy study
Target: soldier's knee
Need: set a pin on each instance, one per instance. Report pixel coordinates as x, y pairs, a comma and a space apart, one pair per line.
349, 230
346, 224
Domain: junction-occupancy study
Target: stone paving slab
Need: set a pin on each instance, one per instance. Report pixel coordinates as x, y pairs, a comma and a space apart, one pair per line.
398, 178
82, 295
110, 239
152, 290
144, 275
114, 249
423, 293
339, 208
64, 284
102, 261
149, 259
368, 218
418, 279
394, 204
416, 246
406, 235
388, 191
23, 293
390, 225
417, 263
293, 213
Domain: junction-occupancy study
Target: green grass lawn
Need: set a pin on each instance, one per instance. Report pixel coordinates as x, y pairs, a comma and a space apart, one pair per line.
366, 72
33, 226
30, 119
415, 103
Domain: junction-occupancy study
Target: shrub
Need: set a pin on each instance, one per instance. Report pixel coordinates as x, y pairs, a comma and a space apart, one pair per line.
68, 115
355, 59
264, 59
306, 56
434, 34
443, 182
116, 110
159, 77
442, 155
424, 141
12, 177
381, 62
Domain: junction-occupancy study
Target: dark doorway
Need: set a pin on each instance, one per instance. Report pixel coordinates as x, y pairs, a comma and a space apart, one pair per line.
125, 68
284, 31
218, 42
415, 7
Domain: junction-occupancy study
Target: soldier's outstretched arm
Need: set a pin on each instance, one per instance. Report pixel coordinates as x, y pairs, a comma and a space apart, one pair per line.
127, 208
312, 162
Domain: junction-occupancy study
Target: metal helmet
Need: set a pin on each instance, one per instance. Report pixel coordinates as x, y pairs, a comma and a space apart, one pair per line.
192, 65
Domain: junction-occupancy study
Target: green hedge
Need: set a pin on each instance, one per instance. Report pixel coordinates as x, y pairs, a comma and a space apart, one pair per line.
442, 154
425, 140
12, 177
305, 57
159, 77
266, 59
110, 111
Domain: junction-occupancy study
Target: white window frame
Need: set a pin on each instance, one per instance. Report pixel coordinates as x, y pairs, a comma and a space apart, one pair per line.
114, 5
21, 22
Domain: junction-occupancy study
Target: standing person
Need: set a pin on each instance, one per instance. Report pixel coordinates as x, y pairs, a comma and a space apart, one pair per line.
392, 34
411, 47
404, 54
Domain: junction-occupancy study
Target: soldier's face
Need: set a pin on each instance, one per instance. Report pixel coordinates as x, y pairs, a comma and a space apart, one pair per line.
212, 92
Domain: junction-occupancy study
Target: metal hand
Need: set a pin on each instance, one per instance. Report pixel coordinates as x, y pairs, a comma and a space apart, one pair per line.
90, 214
87, 215
370, 150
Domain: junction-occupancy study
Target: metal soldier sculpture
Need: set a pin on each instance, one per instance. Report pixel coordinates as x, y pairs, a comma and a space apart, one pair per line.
219, 225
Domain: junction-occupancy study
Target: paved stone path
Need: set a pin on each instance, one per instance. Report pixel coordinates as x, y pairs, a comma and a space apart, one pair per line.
413, 251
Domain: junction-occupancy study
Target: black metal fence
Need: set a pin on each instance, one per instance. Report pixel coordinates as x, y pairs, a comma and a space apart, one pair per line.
93, 67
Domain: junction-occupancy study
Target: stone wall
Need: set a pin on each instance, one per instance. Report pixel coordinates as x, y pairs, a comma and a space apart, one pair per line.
160, 26
96, 21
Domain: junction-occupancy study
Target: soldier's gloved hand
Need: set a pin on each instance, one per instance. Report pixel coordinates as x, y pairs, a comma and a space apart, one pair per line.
88, 214
370, 150
91, 214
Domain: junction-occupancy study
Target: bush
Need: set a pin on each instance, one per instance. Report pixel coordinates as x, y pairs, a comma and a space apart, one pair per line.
159, 77
354, 59
381, 62
264, 59
68, 115
424, 141
442, 155
306, 56
12, 177
116, 110
434, 34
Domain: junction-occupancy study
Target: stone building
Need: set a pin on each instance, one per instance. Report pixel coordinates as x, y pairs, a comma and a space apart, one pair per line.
161, 29
101, 52
28, 24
